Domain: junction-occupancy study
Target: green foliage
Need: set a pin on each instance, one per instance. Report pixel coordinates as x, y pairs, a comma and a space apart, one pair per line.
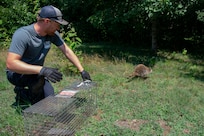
184, 52
4, 37
127, 20
73, 41
198, 39
71, 38
171, 8
15, 14
119, 21
200, 14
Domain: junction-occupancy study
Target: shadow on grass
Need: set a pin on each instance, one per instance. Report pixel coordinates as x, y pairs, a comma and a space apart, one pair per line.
191, 64
137, 55
197, 60
196, 74
114, 52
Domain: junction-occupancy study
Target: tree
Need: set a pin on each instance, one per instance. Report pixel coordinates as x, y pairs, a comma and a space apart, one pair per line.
170, 9
117, 17
136, 22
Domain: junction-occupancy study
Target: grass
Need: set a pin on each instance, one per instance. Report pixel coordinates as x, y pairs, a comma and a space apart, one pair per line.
169, 102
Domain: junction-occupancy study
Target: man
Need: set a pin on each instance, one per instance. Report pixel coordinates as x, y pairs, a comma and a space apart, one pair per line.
29, 47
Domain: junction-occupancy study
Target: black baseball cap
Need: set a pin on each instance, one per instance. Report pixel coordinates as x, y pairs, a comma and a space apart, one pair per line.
52, 13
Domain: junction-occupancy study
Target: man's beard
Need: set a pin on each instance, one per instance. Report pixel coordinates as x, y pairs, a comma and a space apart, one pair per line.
51, 34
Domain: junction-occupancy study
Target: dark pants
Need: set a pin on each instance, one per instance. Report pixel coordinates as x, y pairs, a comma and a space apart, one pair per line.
28, 88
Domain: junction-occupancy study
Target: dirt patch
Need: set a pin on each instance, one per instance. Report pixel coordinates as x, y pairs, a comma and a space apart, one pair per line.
165, 127
136, 124
131, 124
97, 116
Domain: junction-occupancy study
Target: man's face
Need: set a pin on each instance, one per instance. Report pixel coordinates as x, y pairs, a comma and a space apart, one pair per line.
52, 27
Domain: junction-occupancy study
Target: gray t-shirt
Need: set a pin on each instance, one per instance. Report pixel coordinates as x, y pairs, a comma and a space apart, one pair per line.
32, 47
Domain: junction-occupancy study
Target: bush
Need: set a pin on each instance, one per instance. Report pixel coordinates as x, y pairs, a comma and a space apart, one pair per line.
15, 14
73, 41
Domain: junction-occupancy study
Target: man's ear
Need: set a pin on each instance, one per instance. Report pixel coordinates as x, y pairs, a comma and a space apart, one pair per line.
46, 20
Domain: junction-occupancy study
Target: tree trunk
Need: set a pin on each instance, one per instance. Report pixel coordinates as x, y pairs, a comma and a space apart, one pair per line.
154, 34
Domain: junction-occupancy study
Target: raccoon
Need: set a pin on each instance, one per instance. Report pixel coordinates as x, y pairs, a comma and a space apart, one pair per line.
141, 71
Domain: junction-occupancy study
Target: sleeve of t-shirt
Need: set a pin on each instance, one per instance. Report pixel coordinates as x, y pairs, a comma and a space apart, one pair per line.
57, 39
19, 42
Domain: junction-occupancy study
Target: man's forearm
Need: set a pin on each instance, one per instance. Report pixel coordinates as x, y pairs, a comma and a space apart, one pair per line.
71, 56
23, 68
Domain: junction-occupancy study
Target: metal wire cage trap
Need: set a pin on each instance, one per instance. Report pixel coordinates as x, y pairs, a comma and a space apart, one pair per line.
63, 114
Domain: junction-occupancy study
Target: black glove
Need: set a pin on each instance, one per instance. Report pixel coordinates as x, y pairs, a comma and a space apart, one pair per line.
85, 75
51, 74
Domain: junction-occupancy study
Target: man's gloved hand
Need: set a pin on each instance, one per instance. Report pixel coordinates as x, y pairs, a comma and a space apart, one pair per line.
51, 74
85, 75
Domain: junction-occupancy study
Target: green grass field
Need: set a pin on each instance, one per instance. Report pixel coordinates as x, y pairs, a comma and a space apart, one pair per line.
170, 102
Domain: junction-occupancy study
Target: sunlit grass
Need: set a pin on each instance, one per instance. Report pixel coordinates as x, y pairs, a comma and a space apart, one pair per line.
173, 93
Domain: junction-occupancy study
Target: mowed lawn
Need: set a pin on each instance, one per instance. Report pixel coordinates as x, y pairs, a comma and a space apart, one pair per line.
169, 102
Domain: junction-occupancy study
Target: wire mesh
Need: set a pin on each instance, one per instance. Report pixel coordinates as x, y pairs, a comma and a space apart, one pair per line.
63, 114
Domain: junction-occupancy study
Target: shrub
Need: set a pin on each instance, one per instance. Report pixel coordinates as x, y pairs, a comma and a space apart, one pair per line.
73, 41
15, 14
